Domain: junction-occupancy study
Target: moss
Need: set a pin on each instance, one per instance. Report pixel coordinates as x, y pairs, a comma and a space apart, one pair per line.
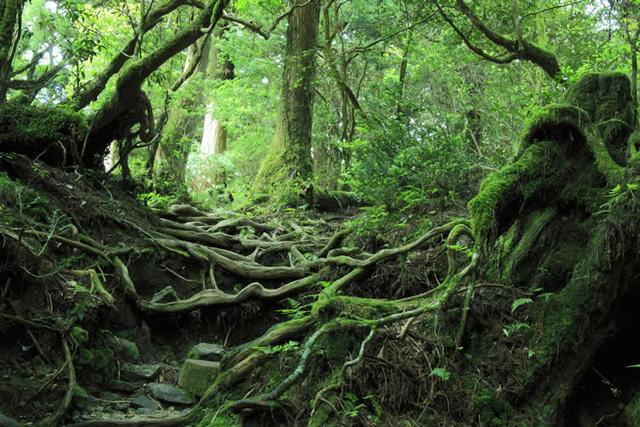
197, 375
603, 95
571, 126
533, 227
634, 143
491, 409
20, 204
632, 411
364, 308
331, 200
515, 184
215, 417
325, 414
615, 134
51, 134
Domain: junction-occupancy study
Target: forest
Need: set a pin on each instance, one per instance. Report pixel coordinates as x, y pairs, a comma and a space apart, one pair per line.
319, 212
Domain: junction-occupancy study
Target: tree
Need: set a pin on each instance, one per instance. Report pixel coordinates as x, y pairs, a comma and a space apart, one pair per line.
288, 164
179, 131
514, 48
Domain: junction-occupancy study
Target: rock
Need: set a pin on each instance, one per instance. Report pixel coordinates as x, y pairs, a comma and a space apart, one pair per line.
146, 403
169, 393
121, 386
144, 411
143, 339
123, 315
85, 402
8, 422
128, 350
133, 372
197, 375
206, 351
168, 294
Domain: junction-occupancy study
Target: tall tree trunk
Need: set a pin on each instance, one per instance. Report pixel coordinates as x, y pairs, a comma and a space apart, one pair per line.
288, 163
214, 134
177, 136
9, 13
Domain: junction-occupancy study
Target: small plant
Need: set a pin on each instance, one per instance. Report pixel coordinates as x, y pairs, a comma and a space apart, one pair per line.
520, 301
352, 406
515, 327
441, 373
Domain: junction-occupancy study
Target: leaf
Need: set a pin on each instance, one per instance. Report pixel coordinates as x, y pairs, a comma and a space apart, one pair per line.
521, 301
441, 373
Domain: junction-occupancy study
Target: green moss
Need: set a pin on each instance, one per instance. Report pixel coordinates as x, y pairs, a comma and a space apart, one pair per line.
215, 417
364, 308
533, 227
104, 358
20, 203
615, 134
570, 125
603, 95
516, 183
86, 356
491, 409
197, 375
325, 414
53, 134
634, 143
632, 411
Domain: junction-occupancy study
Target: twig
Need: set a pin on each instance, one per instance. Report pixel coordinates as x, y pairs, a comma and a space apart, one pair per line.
30, 323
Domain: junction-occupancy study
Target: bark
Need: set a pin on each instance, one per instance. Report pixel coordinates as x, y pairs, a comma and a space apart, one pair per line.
214, 135
289, 159
9, 14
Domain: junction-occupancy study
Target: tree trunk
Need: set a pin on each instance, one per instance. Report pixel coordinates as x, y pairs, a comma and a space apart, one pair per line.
9, 13
214, 134
288, 164
177, 137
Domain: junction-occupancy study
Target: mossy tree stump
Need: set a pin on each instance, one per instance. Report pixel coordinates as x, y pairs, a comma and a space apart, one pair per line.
561, 220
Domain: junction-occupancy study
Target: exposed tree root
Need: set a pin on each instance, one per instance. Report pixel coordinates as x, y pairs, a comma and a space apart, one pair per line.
54, 418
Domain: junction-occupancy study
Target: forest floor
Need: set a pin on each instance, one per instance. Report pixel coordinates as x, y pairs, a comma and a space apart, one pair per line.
112, 313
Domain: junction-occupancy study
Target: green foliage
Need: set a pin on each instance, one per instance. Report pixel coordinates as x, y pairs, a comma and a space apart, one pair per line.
78, 335
519, 302
441, 373
400, 167
514, 328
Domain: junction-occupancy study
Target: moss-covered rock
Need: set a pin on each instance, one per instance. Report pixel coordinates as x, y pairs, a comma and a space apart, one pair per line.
197, 375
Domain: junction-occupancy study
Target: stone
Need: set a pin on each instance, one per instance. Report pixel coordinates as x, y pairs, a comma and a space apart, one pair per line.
197, 375
128, 350
146, 403
123, 315
167, 294
169, 393
207, 351
8, 422
122, 386
133, 372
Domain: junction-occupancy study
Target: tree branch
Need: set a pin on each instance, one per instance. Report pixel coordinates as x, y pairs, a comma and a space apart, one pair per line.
520, 49
94, 87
